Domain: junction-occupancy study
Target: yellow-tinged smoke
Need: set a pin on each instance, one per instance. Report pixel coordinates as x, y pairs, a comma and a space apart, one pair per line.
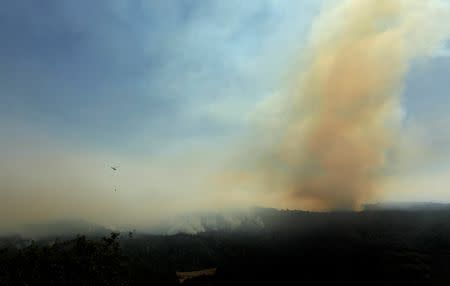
342, 116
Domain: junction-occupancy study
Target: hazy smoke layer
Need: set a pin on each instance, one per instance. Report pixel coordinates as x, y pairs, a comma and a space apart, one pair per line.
343, 114
201, 222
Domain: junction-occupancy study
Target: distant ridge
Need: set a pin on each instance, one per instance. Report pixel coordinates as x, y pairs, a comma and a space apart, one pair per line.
63, 228
255, 218
411, 206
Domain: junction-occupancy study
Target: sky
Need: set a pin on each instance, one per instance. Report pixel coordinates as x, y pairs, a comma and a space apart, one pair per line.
167, 90
134, 76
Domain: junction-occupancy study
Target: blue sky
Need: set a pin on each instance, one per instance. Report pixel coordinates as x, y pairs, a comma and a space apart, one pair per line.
135, 76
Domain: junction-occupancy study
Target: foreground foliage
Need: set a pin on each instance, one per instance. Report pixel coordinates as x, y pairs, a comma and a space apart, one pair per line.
294, 248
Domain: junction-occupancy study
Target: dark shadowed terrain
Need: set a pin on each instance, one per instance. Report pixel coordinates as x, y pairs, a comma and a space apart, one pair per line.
379, 246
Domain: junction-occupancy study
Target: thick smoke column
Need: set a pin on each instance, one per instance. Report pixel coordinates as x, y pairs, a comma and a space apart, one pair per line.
343, 116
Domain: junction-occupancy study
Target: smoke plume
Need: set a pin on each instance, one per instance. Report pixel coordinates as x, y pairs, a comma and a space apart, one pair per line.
342, 115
